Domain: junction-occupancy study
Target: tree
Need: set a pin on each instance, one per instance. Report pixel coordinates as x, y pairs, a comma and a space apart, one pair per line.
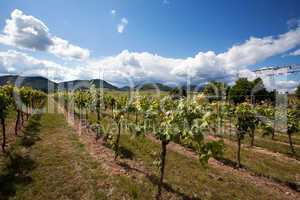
4, 104
244, 89
253, 125
96, 101
142, 105
241, 90
245, 118
194, 119
218, 112
165, 127
184, 119
26, 96
230, 111
293, 126
177, 93
266, 119
215, 91
83, 100
118, 117
110, 101
10, 90
259, 91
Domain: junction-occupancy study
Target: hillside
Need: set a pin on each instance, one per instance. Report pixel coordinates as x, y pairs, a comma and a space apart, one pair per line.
36, 82
148, 86
44, 84
86, 84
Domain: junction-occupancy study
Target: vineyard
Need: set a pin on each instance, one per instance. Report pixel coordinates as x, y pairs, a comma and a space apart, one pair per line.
95, 144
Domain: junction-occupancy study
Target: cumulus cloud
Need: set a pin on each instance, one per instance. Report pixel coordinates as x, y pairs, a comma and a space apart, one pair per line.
122, 25
27, 32
285, 85
280, 85
135, 67
15, 62
258, 49
64, 49
202, 67
238, 57
295, 53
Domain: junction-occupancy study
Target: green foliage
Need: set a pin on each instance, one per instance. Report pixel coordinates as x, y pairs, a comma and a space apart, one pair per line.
241, 90
210, 149
293, 124
259, 91
82, 99
267, 114
215, 90
177, 93
109, 101
4, 103
245, 119
163, 118
244, 89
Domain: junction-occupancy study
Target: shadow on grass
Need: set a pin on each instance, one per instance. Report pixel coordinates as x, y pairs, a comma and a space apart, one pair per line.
15, 174
155, 180
126, 153
123, 151
291, 184
228, 162
18, 164
31, 131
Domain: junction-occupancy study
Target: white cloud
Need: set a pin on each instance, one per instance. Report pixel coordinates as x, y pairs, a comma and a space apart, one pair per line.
14, 62
64, 49
238, 57
202, 67
258, 49
295, 53
128, 67
287, 85
280, 85
27, 32
121, 26
113, 12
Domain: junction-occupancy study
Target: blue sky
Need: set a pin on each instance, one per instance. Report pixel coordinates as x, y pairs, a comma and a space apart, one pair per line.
173, 30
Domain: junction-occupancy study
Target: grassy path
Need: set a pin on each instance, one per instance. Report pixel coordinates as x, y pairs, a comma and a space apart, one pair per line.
191, 179
275, 146
264, 162
247, 176
52, 161
260, 161
49, 162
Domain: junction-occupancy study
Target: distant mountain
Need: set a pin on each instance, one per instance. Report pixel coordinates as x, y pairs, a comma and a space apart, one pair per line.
44, 84
125, 88
70, 85
193, 88
153, 86
36, 82
41, 83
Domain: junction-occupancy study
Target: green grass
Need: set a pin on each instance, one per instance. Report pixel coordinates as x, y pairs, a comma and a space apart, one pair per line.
269, 144
267, 165
55, 165
58, 166
259, 163
284, 138
187, 178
